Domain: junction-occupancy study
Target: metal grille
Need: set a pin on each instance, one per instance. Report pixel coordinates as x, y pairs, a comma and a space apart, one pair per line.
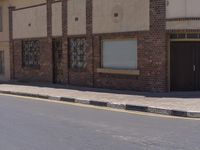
185, 36
2, 62
30, 53
77, 47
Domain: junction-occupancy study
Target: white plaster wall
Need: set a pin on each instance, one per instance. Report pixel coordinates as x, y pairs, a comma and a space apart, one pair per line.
193, 8
176, 8
76, 8
26, 3
30, 23
187, 24
4, 36
57, 19
183, 8
133, 15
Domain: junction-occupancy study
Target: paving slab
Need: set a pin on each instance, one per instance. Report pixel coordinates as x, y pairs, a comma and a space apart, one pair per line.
184, 104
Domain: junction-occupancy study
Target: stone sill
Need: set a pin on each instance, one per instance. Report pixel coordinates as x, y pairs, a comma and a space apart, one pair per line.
120, 72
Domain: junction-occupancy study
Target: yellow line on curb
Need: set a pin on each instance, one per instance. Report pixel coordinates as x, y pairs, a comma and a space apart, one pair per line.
101, 108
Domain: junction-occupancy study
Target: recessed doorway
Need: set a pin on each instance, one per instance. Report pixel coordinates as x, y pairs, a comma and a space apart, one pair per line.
185, 66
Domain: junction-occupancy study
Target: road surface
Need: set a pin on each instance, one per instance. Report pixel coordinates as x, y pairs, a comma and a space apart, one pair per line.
31, 124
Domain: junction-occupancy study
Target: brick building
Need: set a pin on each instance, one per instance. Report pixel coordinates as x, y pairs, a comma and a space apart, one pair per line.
120, 44
4, 41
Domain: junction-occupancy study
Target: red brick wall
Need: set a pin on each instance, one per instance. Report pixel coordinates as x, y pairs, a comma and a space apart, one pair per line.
85, 77
41, 74
152, 56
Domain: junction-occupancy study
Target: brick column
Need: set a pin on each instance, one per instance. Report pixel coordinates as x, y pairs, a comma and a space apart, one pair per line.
65, 59
49, 33
89, 39
158, 52
10, 9
49, 19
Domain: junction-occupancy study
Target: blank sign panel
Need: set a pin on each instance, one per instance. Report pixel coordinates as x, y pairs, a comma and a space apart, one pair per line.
120, 54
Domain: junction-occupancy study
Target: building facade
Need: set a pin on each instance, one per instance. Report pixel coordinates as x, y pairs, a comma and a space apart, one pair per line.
182, 29
120, 44
4, 41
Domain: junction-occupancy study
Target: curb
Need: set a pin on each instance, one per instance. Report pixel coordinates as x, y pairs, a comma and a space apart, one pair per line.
147, 109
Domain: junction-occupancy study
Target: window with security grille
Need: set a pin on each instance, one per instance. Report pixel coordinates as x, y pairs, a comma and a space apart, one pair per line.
1, 62
77, 48
30, 53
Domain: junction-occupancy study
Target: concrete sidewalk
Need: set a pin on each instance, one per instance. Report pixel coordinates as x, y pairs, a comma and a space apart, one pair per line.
184, 104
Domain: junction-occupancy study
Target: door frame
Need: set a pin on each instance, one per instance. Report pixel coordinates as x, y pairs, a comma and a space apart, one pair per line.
169, 53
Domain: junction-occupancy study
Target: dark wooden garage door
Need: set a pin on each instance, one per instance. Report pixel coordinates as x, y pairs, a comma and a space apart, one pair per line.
185, 66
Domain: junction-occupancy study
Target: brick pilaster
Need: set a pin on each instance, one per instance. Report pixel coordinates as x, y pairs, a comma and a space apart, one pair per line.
89, 39
49, 19
49, 32
65, 59
10, 9
158, 80
85, 77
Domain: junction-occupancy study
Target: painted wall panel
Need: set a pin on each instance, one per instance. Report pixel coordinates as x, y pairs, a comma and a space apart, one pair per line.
120, 15
176, 8
57, 19
30, 23
26, 3
182, 8
76, 17
192, 8
120, 54
4, 35
187, 24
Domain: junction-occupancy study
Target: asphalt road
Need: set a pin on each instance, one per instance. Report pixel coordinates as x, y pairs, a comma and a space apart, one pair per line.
28, 124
